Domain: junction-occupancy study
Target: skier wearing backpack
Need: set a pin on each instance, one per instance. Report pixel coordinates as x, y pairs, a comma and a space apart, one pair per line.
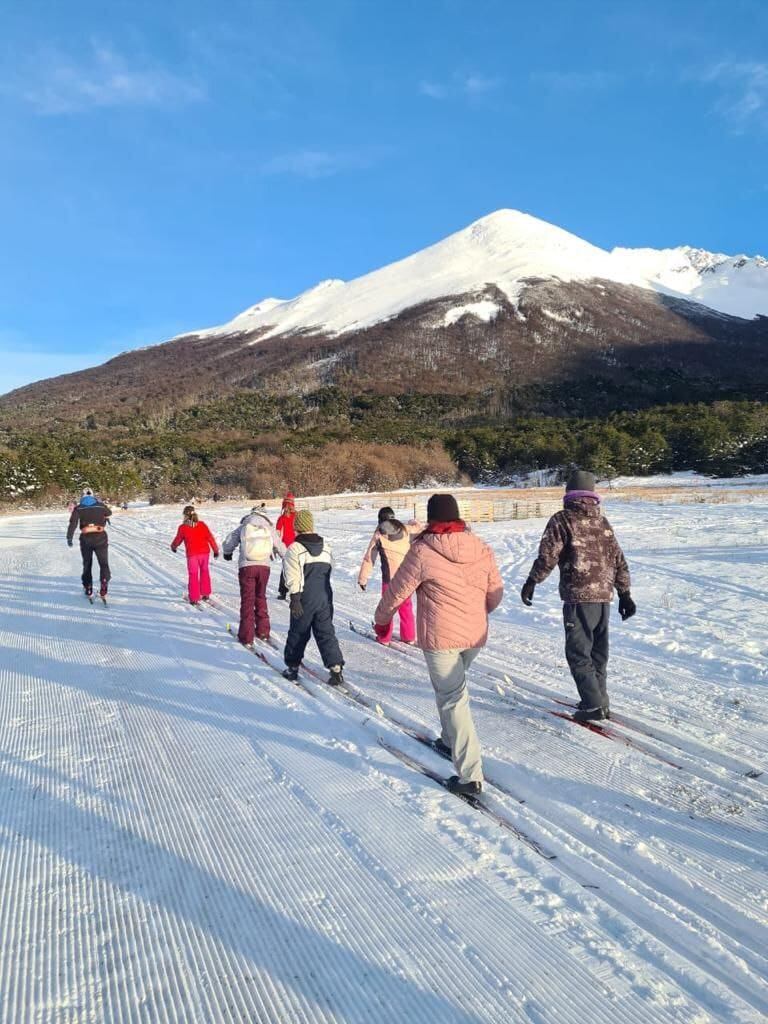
285, 526
259, 543
390, 544
92, 516
580, 540
307, 567
199, 542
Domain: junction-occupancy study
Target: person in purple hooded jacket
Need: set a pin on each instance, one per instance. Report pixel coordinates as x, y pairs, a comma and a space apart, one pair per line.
580, 540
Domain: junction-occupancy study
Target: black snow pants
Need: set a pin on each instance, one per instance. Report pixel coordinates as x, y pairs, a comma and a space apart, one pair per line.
586, 651
318, 620
94, 544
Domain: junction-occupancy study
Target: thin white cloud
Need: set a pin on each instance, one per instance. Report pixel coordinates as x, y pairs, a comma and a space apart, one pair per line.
743, 100
60, 85
573, 81
323, 163
475, 85
460, 85
434, 90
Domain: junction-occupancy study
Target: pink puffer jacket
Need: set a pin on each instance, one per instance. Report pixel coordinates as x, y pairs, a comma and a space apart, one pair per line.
457, 584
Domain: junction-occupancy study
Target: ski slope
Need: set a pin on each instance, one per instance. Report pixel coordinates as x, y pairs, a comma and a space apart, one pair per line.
187, 837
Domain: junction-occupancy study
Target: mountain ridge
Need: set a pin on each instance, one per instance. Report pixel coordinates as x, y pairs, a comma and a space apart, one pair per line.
509, 304
503, 248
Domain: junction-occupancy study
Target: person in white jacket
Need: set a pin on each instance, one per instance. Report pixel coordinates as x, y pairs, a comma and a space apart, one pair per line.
259, 544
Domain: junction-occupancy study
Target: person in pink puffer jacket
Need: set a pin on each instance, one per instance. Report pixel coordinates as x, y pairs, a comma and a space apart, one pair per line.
457, 585
390, 544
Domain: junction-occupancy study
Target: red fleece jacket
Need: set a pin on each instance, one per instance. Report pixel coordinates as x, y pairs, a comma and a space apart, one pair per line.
197, 539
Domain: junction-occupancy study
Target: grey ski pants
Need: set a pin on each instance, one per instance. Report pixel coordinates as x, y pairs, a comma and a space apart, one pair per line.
586, 651
448, 672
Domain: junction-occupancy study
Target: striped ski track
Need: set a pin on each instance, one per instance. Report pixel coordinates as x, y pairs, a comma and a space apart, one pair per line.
518, 666
707, 934
174, 920
157, 772
529, 657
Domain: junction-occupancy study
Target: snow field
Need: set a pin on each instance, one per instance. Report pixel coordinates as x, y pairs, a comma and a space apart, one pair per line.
188, 837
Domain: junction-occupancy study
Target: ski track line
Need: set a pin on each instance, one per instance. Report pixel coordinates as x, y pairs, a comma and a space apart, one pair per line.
492, 979
195, 613
677, 909
528, 642
655, 954
651, 744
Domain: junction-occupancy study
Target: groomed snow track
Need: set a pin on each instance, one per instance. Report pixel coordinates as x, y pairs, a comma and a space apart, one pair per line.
187, 837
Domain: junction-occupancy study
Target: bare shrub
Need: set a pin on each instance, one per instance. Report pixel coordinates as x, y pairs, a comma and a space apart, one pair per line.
348, 466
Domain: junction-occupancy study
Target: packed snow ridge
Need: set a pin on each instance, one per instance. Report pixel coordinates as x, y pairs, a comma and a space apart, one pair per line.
507, 249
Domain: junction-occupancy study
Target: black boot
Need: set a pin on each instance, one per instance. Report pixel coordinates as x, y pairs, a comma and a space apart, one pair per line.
457, 785
443, 749
590, 715
336, 677
292, 673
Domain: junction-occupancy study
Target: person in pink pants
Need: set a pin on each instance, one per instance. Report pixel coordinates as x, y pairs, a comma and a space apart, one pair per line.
407, 622
390, 544
199, 543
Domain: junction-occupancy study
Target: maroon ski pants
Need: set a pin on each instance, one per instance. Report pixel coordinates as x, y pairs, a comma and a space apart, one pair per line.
254, 616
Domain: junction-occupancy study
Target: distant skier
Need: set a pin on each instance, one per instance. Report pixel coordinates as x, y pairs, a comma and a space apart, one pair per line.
390, 544
307, 568
259, 543
92, 517
199, 542
457, 585
285, 526
581, 541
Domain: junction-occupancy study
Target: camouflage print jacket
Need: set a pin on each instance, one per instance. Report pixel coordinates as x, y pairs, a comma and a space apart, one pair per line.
580, 540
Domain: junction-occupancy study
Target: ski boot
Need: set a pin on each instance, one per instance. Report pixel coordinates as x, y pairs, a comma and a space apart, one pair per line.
335, 678
291, 673
584, 715
457, 785
606, 710
443, 749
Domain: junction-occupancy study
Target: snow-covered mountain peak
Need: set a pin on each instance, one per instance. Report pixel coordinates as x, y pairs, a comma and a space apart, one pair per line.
507, 249
737, 285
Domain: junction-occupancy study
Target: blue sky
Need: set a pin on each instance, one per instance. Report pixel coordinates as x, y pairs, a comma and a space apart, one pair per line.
167, 164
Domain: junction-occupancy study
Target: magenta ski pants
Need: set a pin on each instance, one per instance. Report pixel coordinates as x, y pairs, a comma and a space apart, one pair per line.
407, 623
199, 577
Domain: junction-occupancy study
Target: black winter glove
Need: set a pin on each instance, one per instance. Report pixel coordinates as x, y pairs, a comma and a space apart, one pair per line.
627, 606
228, 557
361, 585
173, 549
70, 543
215, 554
526, 594
297, 609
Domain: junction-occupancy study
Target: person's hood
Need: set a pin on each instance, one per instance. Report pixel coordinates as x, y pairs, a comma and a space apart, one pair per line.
584, 507
462, 547
88, 501
312, 542
257, 518
391, 529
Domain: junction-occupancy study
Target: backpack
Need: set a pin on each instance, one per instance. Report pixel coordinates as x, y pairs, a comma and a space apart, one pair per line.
257, 542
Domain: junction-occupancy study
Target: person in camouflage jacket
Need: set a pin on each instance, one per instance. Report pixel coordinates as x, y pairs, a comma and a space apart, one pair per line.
580, 540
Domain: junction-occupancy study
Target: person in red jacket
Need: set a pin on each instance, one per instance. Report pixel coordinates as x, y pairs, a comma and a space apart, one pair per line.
286, 529
199, 542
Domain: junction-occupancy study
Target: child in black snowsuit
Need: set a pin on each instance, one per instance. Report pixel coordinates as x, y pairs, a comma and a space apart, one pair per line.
307, 568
